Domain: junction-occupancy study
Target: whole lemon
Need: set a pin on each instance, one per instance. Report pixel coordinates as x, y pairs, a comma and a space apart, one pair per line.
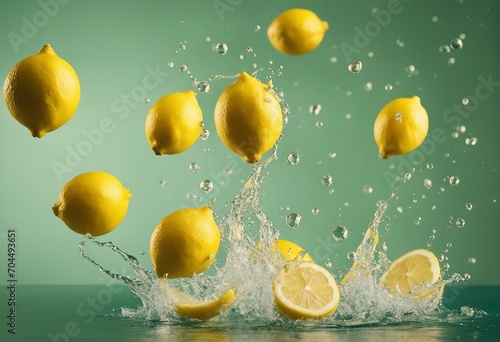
401, 126
174, 123
92, 202
42, 92
184, 243
296, 31
248, 117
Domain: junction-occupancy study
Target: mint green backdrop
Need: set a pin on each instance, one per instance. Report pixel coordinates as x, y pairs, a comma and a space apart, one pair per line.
121, 51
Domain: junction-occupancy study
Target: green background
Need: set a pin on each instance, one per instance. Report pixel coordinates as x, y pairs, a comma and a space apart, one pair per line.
114, 45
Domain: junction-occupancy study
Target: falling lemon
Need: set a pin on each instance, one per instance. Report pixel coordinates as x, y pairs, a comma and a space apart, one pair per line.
305, 290
296, 31
42, 92
401, 126
174, 123
92, 202
184, 243
248, 117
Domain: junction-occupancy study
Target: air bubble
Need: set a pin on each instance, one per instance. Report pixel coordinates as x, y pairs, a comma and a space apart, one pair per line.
471, 141
460, 222
293, 158
163, 183
355, 67
183, 68
328, 263
315, 211
202, 87
472, 260
340, 233
457, 44
427, 183
468, 206
444, 48
147, 100
368, 86
221, 48
194, 167
293, 220
388, 87
327, 180
454, 180
205, 133
430, 166
206, 185
315, 109
367, 189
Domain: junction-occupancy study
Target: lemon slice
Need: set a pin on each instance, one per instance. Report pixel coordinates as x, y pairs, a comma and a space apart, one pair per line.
412, 273
189, 307
305, 290
360, 251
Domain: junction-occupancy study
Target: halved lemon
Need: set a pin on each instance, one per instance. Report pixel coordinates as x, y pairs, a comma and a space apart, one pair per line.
413, 274
189, 307
305, 290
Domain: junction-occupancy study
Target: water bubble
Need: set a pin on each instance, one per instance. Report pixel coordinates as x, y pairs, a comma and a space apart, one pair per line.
340, 233
227, 171
183, 68
142, 252
399, 117
472, 260
427, 183
205, 133
206, 185
191, 196
430, 166
328, 263
163, 183
293, 158
468, 206
351, 255
370, 54
454, 180
407, 176
257, 28
461, 128
331, 191
400, 209
457, 44
293, 220
202, 87
441, 257
333, 59
147, 100
170, 64
327, 180
454, 135
388, 87
348, 116
332, 154
460, 222
315, 211
451, 61
434, 18
465, 101
471, 141
355, 67
249, 50
221, 48
367, 189
444, 48
194, 167
315, 109
240, 57
417, 222
368, 86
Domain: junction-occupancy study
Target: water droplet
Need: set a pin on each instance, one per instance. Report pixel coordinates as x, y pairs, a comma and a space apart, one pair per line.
293, 220
449, 245
319, 124
205, 133
460, 222
417, 222
315, 109
183, 68
240, 57
170, 64
472, 260
451, 61
444, 48
468, 206
293, 158
163, 183
332, 154
461, 128
328, 263
202, 87
471, 141
147, 100
257, 28
194, 167
340, 233
427, 183
400, 209
331, 191
430, 166
348, 116
355, 67
221, 48
388, 87
351, 255
457, 44
454, 180
315, 211
399, 117
466, 276
368, 86
465, 101
206, 185
434, 18
191, 196
249, 50
454, 135
333, 59
367, 189
327, 180
407, 176
441, 257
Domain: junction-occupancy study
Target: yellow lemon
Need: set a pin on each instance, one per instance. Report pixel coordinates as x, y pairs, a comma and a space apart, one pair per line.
42, 92
305, 290
186, 306
92, 202
412, 273
184, 243
174, 123
248, 117
401, 126
296, 31
289, 250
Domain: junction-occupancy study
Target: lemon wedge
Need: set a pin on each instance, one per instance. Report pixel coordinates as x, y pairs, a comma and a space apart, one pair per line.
305, 290
412, 274
189, 307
